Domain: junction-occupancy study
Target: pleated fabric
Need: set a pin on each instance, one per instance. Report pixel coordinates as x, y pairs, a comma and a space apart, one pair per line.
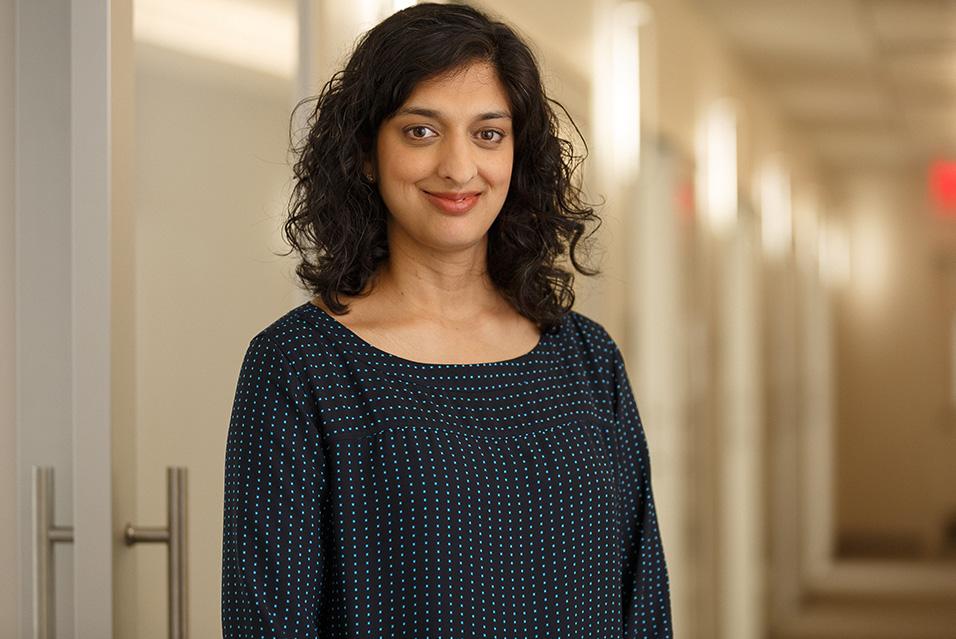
371, 496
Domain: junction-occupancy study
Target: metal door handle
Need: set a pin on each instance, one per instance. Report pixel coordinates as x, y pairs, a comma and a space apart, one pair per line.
174, 535
45, 534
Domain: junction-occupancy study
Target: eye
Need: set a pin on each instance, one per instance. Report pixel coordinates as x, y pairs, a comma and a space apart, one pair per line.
410, 130
493, 132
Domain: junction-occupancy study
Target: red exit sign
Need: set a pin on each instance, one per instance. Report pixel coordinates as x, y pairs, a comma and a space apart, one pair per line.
942, 186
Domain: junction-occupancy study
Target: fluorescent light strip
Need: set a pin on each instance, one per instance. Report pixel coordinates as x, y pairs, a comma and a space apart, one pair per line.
776, 218
626, 85
720, 164
398, 5
237, 33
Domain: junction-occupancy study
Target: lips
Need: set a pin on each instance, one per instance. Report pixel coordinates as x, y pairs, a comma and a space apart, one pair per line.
454, 202
452, 195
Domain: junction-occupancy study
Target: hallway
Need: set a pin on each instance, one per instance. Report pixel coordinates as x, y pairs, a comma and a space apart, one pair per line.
778, 248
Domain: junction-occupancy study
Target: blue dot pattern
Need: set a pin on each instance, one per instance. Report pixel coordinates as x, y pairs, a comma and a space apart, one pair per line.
371, 496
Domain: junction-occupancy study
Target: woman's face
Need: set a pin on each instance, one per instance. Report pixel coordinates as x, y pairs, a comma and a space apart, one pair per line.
444, 160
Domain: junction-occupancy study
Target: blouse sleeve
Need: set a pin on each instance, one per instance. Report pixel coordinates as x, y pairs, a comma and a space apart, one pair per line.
272, 552
646, 589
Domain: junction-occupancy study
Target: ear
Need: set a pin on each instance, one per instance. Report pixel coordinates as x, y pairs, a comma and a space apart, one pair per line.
368, 166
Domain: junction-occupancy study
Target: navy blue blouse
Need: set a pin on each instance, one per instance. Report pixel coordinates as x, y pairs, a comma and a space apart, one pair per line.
367, 495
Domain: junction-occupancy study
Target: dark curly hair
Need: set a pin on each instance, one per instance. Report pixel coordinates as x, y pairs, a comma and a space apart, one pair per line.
337, 219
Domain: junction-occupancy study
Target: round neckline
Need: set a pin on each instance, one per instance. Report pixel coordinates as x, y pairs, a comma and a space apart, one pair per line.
364, 344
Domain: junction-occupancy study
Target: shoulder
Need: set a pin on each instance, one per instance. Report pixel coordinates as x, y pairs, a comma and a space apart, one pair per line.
296, 336
589, 334
586, 341
590, 349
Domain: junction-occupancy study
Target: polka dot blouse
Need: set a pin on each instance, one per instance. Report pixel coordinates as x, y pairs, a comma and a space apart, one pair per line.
371, 496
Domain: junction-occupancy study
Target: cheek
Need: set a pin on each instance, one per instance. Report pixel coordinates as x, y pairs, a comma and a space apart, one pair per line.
403, 167
397, 163
398, 185
503, 173
500, 172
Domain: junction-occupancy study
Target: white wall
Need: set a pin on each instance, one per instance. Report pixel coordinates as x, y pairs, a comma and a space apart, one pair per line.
8, 429
43, 288
210, 186
895, 438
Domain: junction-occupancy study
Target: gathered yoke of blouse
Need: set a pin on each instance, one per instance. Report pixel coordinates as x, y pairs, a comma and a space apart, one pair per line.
371, 496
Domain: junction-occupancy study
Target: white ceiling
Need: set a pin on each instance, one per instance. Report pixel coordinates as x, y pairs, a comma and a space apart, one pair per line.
866, 81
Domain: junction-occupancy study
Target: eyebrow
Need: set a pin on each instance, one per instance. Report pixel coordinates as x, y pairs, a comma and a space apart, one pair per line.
437, 115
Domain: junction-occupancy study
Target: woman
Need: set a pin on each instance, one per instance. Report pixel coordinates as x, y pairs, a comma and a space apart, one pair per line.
436, 445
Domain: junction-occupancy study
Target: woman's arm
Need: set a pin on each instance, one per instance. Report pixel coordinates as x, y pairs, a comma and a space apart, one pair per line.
646, 589
272, 554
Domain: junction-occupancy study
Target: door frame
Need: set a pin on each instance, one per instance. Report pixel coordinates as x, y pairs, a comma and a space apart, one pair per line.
62, 299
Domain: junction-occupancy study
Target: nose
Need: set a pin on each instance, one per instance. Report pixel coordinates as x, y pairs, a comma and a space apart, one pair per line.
456, 161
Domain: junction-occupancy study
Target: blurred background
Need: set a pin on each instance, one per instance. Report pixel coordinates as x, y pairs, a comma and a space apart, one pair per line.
779, 249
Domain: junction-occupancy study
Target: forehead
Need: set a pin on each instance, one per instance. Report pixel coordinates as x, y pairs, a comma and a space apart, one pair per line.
473, 87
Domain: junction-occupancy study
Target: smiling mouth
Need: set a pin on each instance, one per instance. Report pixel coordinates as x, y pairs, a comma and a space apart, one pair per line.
453, 203
454, 197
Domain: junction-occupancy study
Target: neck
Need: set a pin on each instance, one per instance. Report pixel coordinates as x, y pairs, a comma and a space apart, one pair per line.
438, 290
